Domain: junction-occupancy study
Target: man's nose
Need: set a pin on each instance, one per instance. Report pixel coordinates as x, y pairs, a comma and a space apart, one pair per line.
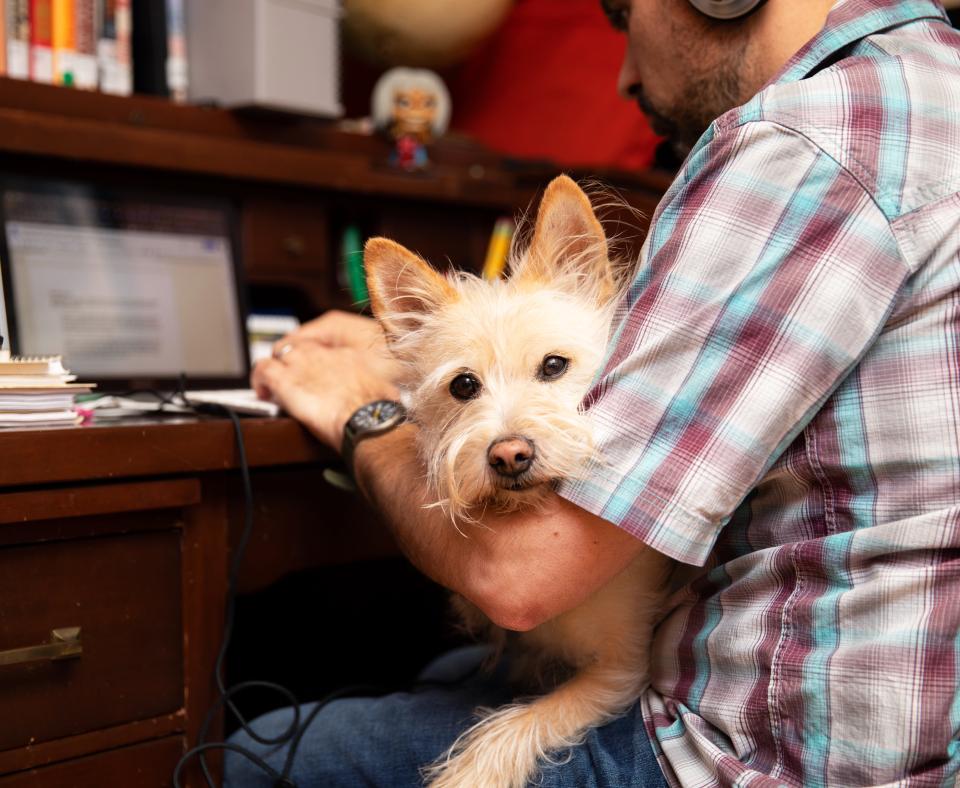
628, 82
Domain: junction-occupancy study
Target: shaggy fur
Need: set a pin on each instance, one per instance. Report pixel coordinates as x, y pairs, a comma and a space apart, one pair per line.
557, 302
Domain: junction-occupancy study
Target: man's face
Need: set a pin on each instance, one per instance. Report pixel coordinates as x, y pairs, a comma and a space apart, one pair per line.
682, 70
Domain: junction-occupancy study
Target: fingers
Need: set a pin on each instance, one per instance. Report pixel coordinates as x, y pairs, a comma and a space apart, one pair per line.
281, 348
261, 377
324, 329
337, 329
321, 385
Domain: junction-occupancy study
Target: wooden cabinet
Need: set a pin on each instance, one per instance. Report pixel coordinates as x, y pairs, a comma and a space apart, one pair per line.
139, 567
126, 532
121, 594
110, 609
145, 765
285, 234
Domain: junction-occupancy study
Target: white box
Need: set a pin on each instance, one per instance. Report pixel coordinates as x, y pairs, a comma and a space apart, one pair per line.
273, 54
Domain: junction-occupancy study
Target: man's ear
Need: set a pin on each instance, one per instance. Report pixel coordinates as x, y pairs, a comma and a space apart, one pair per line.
403, 287
568, 241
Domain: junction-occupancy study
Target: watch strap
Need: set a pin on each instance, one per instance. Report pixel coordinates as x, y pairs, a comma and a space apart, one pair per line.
352, 436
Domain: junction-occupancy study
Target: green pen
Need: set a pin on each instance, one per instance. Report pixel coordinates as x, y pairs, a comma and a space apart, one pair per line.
351, 256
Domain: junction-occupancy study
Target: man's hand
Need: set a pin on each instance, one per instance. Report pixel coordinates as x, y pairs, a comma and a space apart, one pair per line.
327, 369
347, 330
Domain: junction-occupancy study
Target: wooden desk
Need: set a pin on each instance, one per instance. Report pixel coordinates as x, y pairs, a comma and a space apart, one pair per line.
125, 532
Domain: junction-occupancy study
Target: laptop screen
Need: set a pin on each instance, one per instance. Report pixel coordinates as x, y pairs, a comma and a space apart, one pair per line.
126, 287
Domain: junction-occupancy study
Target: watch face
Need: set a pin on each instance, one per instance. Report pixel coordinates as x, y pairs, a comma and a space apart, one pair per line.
375, 414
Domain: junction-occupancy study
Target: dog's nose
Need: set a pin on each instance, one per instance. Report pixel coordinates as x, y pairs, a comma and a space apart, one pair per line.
510, 456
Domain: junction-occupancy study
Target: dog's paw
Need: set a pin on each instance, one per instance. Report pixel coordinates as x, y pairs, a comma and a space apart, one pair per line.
501, 751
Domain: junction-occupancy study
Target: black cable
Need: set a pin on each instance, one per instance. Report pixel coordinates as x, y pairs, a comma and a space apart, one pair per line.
295, 731
293, 734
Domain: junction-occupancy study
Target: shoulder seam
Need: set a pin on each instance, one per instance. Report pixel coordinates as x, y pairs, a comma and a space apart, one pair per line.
858, 178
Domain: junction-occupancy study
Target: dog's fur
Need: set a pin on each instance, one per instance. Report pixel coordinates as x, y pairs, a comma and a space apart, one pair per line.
558, 301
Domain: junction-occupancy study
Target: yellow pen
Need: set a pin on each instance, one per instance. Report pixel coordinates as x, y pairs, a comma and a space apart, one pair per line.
498, 248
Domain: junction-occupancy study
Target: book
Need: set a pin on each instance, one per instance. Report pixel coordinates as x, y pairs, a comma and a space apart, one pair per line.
65, 418
41, 41
43, 387
12, 402
38, 391
178, 69
36, 381
63, 41
85, 56
31, 365
113, 47
150, 47
18, 38
3, 40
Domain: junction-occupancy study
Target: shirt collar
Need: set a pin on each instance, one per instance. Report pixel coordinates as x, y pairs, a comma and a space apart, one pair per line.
848, 22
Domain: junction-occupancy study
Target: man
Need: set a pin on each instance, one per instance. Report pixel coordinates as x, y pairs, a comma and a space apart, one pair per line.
780, 406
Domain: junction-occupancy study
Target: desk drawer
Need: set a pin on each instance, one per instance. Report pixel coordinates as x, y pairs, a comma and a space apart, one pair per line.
124, 592
285, 234
147, 765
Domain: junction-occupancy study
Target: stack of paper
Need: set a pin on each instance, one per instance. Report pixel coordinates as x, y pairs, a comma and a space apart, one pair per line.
38, 392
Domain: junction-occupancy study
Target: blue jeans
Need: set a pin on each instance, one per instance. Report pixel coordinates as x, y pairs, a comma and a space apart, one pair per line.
382, 742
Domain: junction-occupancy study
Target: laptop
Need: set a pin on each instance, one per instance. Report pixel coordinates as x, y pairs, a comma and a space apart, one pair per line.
137, 289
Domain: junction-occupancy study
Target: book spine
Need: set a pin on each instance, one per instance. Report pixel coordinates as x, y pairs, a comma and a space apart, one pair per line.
64, 42
178, 68
150, 47
85, 58
3, 40
41, 41
113, 48
18, 38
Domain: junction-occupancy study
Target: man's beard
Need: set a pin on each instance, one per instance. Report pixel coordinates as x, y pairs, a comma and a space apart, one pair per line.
701, 102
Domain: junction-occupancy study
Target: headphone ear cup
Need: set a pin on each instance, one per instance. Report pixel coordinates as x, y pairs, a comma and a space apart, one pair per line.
726, 9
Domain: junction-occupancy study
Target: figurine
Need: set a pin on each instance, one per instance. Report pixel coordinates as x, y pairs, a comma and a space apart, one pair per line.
412, 106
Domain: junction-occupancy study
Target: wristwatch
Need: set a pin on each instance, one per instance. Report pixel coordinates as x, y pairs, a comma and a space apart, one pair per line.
374, 418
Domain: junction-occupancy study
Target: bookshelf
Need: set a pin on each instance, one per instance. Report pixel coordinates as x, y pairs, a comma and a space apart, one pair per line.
298, 182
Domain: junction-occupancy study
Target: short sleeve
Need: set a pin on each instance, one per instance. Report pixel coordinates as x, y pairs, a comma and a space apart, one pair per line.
767, 274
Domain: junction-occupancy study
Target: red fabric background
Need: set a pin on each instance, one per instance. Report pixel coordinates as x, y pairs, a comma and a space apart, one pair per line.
544, 86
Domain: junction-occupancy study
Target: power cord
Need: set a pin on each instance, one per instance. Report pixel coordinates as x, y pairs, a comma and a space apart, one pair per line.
293, 734
225, 695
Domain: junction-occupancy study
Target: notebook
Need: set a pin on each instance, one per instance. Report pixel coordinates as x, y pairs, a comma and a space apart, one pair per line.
37, 392
135, 288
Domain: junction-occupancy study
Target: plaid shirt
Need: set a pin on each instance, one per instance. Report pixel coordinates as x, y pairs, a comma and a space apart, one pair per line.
781, 403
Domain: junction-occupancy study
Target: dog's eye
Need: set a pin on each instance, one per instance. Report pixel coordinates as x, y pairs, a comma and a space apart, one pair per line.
465, 386
553, 367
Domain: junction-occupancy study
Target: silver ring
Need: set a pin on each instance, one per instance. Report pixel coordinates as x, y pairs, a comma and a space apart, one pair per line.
280, 352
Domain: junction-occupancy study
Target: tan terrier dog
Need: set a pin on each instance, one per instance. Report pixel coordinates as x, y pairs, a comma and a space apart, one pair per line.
495, 373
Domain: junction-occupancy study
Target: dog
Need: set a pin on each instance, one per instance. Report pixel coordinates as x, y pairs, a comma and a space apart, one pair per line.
494, 374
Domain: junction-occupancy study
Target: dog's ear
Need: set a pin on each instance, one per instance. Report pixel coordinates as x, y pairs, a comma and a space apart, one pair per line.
403, 287
568, 241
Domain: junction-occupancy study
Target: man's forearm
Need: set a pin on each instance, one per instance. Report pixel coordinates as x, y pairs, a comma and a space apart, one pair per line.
391, 477
520, 568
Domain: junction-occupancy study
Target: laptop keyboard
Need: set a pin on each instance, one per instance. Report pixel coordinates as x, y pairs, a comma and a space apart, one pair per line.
239, 400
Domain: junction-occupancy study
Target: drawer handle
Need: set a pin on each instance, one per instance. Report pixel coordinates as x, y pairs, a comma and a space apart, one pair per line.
64, 643
294, 245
